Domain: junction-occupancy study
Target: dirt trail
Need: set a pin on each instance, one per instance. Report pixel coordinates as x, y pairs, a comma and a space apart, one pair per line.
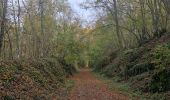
87, 87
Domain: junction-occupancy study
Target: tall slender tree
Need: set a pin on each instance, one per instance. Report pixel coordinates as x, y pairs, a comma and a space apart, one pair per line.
4, 4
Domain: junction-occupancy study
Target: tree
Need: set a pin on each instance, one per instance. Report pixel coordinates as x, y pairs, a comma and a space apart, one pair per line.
4, 4
167, 5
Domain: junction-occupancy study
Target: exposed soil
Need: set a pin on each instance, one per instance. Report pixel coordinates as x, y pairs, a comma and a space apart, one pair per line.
88, 87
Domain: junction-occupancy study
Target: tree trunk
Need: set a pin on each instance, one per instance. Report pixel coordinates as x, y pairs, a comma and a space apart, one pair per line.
117, 23
41, 3
167, 5
3, 22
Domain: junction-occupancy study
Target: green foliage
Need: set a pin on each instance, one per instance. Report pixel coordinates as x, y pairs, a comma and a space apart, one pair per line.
68, 46
109, 70
101, 63
160, 81
8, 98
158, 96
131, 55
70, 84
161, 56
69, 69
114, 84
139, 69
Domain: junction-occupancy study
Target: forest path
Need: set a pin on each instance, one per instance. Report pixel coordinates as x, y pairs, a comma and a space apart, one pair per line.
88, 87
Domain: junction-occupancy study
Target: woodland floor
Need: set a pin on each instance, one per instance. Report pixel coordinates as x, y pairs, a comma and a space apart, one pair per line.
88, 87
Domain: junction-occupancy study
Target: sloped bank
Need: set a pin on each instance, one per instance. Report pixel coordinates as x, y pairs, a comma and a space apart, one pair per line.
42, 79
145, 68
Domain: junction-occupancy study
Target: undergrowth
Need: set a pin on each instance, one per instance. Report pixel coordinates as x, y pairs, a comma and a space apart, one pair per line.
70, 84
143, 70
124, 88
42, 79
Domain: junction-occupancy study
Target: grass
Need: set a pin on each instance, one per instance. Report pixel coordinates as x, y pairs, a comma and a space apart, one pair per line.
70, 84
124, 88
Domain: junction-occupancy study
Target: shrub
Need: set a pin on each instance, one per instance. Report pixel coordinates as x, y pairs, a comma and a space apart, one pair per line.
160, 81
111, 70
157, 96
161, 56
101, 63
69, 69
159, 66
140, 68
131, 55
